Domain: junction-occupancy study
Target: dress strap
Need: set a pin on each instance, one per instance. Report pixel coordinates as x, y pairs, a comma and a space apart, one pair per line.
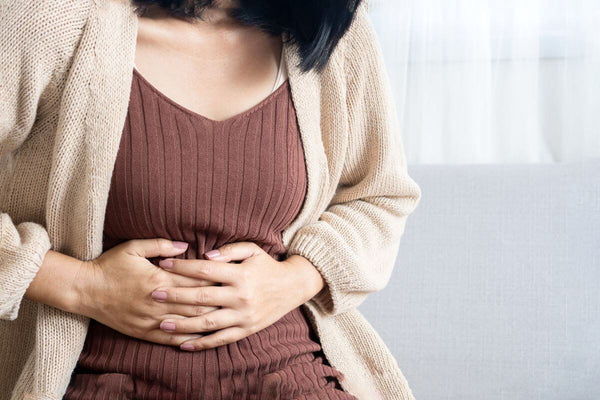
280, 72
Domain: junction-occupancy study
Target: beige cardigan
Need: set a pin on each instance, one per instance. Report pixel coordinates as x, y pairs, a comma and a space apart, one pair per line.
65, 75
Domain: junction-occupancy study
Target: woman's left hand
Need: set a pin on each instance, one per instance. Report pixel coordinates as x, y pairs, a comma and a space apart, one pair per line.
253, 294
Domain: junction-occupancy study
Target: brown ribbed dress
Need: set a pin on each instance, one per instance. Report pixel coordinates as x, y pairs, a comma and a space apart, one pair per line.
182, 176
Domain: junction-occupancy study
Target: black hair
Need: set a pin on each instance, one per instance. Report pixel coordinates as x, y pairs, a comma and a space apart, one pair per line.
316, 26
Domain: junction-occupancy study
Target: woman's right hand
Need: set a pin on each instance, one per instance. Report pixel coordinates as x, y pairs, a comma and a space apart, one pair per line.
117, 286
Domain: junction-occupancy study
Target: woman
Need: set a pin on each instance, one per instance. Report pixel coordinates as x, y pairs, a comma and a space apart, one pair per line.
109, 282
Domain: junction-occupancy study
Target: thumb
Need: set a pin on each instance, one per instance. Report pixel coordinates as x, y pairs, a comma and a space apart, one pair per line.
236, 251
156, 247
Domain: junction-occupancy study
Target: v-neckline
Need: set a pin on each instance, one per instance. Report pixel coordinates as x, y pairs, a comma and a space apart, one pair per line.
112, 75
195, 114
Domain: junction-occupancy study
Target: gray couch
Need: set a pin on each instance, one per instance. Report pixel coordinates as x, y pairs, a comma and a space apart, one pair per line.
496, 289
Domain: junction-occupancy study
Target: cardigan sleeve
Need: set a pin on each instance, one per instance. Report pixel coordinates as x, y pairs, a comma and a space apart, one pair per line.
34, 47
355, 241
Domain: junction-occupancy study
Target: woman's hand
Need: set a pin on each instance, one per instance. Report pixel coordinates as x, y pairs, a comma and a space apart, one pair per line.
254, 293
115, 290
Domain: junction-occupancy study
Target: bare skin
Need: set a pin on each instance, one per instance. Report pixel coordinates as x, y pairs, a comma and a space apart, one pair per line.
215, 67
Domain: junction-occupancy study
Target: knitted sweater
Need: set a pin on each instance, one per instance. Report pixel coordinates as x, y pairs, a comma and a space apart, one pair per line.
65, 76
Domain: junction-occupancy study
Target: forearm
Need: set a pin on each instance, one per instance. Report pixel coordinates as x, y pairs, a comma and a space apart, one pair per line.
56, 282
311, 280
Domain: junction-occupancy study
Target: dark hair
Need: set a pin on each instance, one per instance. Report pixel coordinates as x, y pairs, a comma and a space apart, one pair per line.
316, 26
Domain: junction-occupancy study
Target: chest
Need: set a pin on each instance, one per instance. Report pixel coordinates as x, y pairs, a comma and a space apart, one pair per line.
94, 109
212, 70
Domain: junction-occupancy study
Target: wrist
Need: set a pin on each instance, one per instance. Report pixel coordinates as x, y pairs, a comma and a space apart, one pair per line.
56, 282
307, 273
83, 288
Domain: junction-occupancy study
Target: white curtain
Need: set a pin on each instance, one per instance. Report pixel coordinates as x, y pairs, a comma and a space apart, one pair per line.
494, 81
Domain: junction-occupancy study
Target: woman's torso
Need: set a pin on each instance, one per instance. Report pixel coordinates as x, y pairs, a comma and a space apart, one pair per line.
182, 176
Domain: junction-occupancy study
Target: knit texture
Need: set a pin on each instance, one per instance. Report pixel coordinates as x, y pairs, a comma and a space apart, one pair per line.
65, 76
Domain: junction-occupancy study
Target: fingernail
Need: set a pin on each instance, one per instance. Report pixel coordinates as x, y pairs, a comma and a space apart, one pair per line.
159, 295
179, 245
213, 253
167, 326
166, 264
187, 346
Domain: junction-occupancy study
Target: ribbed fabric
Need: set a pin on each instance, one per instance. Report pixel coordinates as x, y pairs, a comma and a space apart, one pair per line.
182, 176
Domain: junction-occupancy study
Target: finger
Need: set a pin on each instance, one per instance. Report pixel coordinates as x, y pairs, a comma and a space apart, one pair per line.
234, 251
171, 339
186, 310
218, 319
216, 271
186, 281
156, 247
205, 295
219, 338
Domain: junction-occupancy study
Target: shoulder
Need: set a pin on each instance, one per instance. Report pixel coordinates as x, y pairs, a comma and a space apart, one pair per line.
360, 45
37, 41
48, 27
43, 13
358, 55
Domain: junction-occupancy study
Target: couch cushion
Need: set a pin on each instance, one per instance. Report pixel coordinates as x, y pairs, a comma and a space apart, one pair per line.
496, 289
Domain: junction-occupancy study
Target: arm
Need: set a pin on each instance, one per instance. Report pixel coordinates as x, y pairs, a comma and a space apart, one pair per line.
59, 282
33, 54
354, 243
